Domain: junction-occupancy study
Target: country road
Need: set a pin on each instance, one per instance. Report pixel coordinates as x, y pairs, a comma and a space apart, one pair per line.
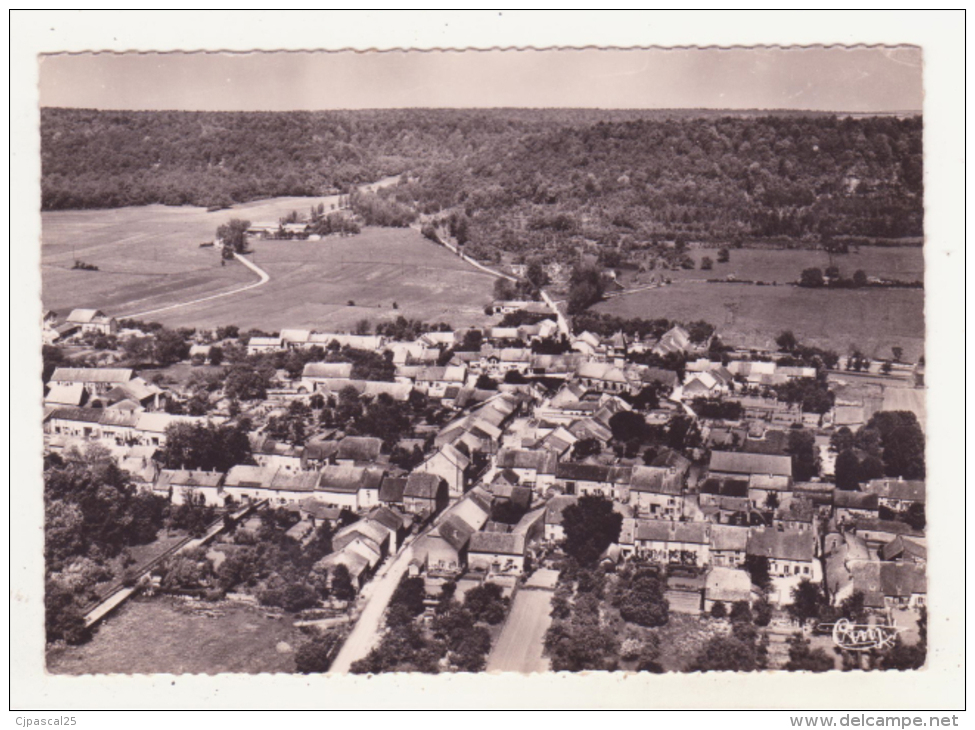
520, 645
366, 633
264, 279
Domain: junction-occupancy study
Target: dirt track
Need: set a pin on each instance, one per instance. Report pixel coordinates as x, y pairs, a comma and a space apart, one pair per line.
519, 648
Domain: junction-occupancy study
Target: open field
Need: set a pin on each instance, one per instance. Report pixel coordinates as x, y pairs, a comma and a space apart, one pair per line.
519, 648
312, 283
165, 636
872, 320
784, 265
907, 399
149, 257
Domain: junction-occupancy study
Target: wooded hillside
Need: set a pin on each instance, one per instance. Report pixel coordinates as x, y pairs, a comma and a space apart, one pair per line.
527, 180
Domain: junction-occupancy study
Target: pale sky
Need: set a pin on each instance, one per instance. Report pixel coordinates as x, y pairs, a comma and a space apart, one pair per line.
821, 79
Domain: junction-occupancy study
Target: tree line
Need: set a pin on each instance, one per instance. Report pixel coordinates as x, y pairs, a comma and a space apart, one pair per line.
523, 180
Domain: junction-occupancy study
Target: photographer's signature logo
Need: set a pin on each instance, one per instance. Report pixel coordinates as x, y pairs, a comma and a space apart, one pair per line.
861, 637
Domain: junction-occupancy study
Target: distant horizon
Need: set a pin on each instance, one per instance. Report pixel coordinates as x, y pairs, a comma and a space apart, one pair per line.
784, 110
822, 79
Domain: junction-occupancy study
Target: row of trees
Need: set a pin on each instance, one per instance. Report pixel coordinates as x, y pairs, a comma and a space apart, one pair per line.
92, 516
458, 640
890, 444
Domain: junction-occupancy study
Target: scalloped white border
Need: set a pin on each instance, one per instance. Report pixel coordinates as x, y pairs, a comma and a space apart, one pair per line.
941, 36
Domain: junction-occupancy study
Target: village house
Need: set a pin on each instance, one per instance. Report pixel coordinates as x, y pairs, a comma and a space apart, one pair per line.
789, 553
73, 395
276, 454
711, 384
92, 321
586, 343
434, 381
642, 376
425, 494
96, 381
358, 450
260, 345
727, 586
391, 492
397, 523
766, 474
115, 427
497, 552
501, 360
143, 469
673, 543
797, 515
612, 482
316, 373
843, 551
603, 377
353, 487
510, 306
372, 533
897, 494
357, 559
849, 506
554, 532
181, 486
443, 550
451, 465
890, 585
880, 532
533, 468
555, 366
904, 549
729, 544
657, 493
138, 392
674, 340
246, 483
769, 410
368, 388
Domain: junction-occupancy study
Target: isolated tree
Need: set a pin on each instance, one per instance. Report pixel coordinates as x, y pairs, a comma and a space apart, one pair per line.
586, 287
628, 426
802, 449
707, 263
591, 525
740, 612
718, 610
644, 603
316, 654
342, 587
584, 448
812, 277
535, 274
786, 341
804, 659
846, 471
758, 568
233, 233
807, 601
898, 353
486, 603
503, 289
762, 611
859, 278
723, 256
725, 653
841, 440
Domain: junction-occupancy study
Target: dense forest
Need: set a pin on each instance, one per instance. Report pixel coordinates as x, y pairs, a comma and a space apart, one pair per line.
522, 180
